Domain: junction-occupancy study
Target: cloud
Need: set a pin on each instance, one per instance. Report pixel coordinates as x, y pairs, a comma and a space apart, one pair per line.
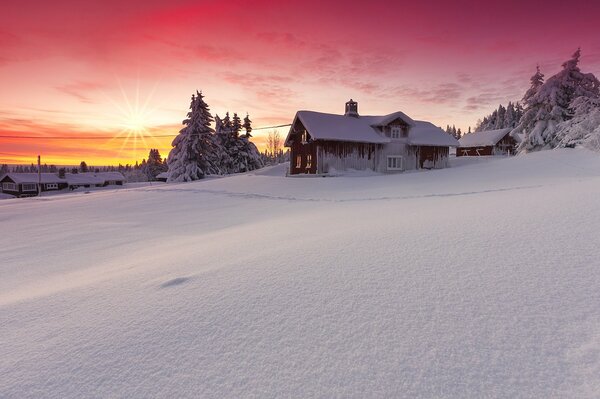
81, 90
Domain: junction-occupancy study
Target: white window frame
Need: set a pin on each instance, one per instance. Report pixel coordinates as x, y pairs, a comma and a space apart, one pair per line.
51, 186
298, 162
9, 186
395, 162
308, 161
396, 132
29, 187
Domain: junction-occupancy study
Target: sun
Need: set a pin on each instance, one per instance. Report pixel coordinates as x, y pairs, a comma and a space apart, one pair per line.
133, 120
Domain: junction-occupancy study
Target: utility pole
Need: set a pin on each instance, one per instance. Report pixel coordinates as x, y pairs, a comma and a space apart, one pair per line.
39, 177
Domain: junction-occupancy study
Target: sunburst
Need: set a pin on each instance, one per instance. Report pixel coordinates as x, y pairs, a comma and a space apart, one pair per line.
133, 119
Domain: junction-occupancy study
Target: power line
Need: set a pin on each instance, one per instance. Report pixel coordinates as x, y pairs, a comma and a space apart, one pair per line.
137, 136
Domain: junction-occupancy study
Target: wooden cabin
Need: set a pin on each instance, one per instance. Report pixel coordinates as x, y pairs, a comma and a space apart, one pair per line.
322, 143
489, 142
26, 184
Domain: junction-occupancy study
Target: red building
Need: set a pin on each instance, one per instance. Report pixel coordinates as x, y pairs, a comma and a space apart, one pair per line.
490, 142
321, 143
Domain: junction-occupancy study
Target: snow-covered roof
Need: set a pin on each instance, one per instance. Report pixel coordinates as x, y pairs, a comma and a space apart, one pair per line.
486, 138
427, 134
21, 178
83, 178
110, 175
363, 129
322, 126
162, 175
385, 119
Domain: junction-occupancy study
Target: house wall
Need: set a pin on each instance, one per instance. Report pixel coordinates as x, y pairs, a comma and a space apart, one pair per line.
474, 151
506, 146
395, 148
303, 158
340, 155
430, 157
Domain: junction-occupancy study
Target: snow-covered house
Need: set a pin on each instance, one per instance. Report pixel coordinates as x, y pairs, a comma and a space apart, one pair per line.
489, 142
98, 179
111, 178
26, 184
320, 142
87, 179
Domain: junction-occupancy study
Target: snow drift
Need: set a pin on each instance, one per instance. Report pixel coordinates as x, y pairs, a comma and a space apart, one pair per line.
426, 284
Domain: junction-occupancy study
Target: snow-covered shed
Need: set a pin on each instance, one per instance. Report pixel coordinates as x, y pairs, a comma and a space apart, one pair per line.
26, 184
489, 142
163, 176
321, 142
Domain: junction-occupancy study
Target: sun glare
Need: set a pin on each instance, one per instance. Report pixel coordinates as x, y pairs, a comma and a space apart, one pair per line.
133, 118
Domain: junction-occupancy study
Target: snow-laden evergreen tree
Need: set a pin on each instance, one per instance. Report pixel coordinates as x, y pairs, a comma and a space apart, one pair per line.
553, 103
240, 154
154, 166
195, 152
501, 118
584, 127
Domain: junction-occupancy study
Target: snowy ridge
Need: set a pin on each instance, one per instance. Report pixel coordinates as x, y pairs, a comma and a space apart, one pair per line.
214, 291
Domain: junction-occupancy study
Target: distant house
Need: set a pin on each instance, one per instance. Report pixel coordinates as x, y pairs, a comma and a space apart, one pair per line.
489, 142
99, 179
111, 178
26, 184
320, 143
77, 180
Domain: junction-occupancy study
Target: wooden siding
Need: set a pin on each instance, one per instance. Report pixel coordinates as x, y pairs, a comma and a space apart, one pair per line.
506, 146
432, 157
474, 151
342, 155
303, 151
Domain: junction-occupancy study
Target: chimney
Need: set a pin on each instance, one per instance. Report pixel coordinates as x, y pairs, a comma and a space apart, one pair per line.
351, 109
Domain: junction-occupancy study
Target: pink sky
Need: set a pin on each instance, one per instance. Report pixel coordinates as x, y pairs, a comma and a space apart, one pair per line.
71, 68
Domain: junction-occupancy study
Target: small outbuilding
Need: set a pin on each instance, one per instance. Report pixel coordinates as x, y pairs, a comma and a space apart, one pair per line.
489, 142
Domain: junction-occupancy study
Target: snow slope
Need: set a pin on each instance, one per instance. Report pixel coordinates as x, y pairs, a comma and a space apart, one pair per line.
476, 281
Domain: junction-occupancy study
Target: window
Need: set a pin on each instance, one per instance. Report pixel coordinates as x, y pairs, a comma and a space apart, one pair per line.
304, 137
308, 161
9, 186
298, 162
51, 186
394, 162
29, 187
396, 132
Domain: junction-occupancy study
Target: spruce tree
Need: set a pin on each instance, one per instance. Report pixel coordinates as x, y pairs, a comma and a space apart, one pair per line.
551, 103
195, 151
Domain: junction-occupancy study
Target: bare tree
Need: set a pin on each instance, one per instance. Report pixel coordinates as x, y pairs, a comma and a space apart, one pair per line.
273, 143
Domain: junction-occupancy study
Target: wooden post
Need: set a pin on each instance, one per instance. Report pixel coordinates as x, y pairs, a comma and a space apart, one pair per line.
39, 177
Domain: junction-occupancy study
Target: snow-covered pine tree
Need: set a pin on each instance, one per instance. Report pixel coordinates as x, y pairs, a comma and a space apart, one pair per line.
154, 166
584, 127
247, 126
195, 151
552, 104
242, 154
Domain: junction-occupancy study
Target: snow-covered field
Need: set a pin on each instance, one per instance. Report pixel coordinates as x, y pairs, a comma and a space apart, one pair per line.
482, 280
